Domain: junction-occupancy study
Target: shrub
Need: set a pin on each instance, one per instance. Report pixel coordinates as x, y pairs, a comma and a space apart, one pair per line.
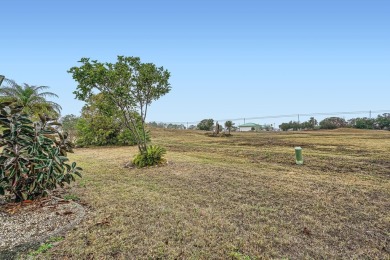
33, 160
154, 155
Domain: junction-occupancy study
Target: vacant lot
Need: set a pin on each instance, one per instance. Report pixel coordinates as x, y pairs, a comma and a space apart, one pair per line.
239, 197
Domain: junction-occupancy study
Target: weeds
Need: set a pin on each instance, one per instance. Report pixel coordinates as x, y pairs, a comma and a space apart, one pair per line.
71, 197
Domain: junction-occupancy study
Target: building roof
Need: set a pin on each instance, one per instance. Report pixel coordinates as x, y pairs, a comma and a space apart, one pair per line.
249, 125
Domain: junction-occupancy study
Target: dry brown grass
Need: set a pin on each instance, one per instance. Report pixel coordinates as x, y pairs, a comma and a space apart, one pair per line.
239, 197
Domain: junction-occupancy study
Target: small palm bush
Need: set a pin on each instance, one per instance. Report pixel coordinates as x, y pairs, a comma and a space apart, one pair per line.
33, 160
154, 155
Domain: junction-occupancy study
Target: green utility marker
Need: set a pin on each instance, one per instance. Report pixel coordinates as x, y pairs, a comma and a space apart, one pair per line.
298, 155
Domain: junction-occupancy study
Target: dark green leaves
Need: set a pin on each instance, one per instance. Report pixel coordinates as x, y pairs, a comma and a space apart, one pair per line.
154, 155
32, 161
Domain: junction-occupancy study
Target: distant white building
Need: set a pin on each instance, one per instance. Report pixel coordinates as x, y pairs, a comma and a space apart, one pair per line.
248, 127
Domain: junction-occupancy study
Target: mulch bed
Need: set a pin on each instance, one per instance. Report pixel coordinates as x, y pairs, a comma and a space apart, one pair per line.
27, 224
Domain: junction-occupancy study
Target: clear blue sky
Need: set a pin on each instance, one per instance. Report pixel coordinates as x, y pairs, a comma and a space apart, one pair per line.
228, 59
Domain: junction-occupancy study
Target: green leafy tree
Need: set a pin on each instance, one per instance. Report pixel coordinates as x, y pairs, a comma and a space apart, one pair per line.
130, 85
290, 125
284, 126
362, 123
101, 124
383, 121
206, 125
333, 123
31, 98
229, 125
310, 124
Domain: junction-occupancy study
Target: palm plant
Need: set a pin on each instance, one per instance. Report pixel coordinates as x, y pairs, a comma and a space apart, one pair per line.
31, 98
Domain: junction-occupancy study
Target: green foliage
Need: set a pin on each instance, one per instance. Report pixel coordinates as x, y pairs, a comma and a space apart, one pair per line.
42, 249
101, 124
69, 123
125, 137
71, 197
239, 256
310, 124
154, 155
363, 123
206, 125
333, 123
33, 160
128, 84
383, 121
46, 246
290, 125
31, 98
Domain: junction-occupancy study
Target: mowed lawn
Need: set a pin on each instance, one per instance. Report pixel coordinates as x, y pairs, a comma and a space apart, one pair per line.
240, 197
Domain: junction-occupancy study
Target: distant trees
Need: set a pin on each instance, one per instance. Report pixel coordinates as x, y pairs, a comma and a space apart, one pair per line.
383, 121
69, 125
284, 126
206, 125
362, 123
310, 124
166, 125
267, 127
380, 122
229, 125
290, 125
333, 123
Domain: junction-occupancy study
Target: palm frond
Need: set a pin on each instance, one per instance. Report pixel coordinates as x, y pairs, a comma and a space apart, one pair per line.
10, 82
37, 88
30, 97
48, 94
55, 106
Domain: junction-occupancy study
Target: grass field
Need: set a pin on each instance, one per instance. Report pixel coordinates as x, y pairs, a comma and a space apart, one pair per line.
240, 197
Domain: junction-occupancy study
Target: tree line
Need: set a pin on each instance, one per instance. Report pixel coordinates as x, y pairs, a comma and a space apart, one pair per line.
381, 122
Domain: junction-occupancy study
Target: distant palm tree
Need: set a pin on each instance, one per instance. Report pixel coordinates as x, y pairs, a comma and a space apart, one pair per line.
30, 97
229, 125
